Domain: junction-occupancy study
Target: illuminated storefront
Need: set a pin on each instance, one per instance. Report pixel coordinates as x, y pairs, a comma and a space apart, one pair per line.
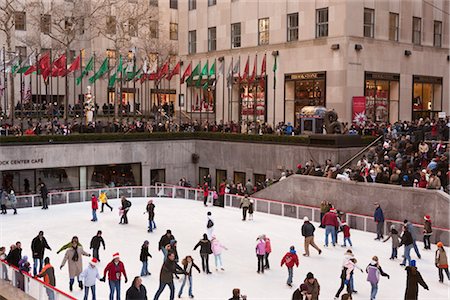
253, 101
427, 96
382, 91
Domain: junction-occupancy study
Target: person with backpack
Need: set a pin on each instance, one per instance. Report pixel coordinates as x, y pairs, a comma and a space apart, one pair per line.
374, 271
308, 232
209, 225
126, 204
290, 259
205, 251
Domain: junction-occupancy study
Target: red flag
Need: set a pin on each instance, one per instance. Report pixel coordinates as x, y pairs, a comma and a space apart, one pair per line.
252, 78
143, 78
263, 66
153, 76
59, 66
175, 71
75, 65
30, 70
246, 70
186, 73
45, 66
163, 71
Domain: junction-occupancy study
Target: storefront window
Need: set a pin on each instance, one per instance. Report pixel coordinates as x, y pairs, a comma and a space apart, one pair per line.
380, 90
253, 102
60, 178
427, 96
203, 100
163, 101
114, 175
21, 181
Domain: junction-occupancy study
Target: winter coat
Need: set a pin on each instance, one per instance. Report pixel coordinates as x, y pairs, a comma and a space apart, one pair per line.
38, 247
289, 259
126, 204
427, 228
413, 279
324, 207
103, 198
48, 273
297, 295
313, 289
134, 293
169, 268
14, 257
330, 219
96, 241
151, 211
188, 269
308, 229
89, 276
378, 216
44, 192
373, 272
3, 198
261, 248
12, 199
205, 246
217, 247
347, 271
268, 245
440, 259
165, 240
115, 271
412, 230
346, 230
144, 254
94, 203
75, 267
394, 236
245, 202
406, 239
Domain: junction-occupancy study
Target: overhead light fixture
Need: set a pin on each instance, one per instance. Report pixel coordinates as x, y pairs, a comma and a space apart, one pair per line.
335, 47
221, 58
358, 47
275, 53
408, 52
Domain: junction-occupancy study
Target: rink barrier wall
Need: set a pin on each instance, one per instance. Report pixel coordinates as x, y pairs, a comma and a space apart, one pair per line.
31, 286
274, 207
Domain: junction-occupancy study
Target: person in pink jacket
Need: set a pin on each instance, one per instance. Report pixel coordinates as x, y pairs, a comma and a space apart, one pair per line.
217, 248
268, 251
261, 253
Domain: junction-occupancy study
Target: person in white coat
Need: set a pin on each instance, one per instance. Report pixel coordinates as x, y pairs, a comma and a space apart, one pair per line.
209, 226
90, 275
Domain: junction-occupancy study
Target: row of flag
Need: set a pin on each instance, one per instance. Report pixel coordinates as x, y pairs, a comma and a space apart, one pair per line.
59, 68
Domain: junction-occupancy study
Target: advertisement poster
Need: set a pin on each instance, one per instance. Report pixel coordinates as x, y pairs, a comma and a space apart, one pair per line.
359, 109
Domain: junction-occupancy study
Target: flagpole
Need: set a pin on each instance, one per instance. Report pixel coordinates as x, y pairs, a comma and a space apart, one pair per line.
66, 88
230, 92
81, 85
255, 97
179, 93
247, 102
95, 95
5, 95
134, 85
22, 83
223, 93
274, 93
38, 83
48, 82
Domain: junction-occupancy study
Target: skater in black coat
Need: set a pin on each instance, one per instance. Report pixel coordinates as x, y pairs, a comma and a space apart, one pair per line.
413, 279
169, 268
137, 290
151, 215
205, 251
38, 246
143, 257
164, 241
15, 255
96, 241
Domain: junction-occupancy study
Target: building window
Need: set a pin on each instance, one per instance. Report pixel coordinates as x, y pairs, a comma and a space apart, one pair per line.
68, 23
369, 22
192, 4
174, 4
263, 31
417, 31
154, 3
174, 31
437, 40
20, 19
46, 24
111, 25
81, 26
292, 27
393, 27
22, 51
154, 29
235, 35
111, 53
427, 96
212, 2
382, 92
133, 27
322, 22
212, 39
192, 42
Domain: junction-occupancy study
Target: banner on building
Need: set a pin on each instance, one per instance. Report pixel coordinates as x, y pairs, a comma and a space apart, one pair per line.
359, 110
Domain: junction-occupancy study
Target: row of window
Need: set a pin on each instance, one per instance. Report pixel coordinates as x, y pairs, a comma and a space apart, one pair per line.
321, 30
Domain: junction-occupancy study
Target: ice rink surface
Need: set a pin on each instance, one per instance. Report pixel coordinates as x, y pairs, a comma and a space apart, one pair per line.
187, 220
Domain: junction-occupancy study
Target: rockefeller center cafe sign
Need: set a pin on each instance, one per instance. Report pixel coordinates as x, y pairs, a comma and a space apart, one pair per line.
15, 162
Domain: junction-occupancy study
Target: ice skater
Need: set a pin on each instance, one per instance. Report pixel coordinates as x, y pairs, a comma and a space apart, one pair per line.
378, 217
164, 241
3, 200
209, 225
89, 276
188, 266
308, 232
407, 243
330, 221
393, 234
126, 204
48, 273
96, 241
104, 201
427, 232
168, 269
260, 253
268, 251
290, 259
114, 269
441, 262
413, 279
346, 231
205, 194
13, 201
374, 271
94, 206
245, 204
251, 210
205, 251
413, 232
346, 273
144, 259
75, 263
217, 248
150, 209
38, 246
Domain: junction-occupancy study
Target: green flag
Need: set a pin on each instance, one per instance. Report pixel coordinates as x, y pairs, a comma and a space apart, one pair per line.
194, 73
205, 70
132, 75
212, 71
206, 85
120, 65
112, 80
199, 82
275, 67
89, 67
101, 71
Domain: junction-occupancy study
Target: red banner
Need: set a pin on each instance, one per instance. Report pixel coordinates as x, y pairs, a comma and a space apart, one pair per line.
359, 109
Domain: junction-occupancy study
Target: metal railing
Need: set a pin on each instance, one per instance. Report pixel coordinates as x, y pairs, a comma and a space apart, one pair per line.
30, 285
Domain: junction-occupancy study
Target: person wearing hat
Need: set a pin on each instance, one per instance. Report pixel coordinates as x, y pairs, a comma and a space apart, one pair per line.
308, 232
114, 269
331, 222
427, 232
413, 279
441, 262
89, 277
48, 273
378, 217
313, 286
290, 259
301, 292
374, 271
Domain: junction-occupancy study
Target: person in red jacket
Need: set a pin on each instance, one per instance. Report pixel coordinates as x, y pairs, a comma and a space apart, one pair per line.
222, 187
114, 270
330, 221
205, 193
290, 259
94, 204
346, 231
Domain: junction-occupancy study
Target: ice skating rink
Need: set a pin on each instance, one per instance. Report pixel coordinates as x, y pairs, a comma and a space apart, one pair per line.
187, 220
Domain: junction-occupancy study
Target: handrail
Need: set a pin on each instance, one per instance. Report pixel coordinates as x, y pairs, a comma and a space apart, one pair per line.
361, 151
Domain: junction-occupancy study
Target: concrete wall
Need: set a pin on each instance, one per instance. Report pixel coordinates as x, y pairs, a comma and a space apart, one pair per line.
174, 156
398, 203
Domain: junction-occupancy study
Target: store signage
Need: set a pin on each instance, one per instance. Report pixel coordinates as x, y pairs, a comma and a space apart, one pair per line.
13, 162
306, 76
359, 109
427, 79
382, 76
